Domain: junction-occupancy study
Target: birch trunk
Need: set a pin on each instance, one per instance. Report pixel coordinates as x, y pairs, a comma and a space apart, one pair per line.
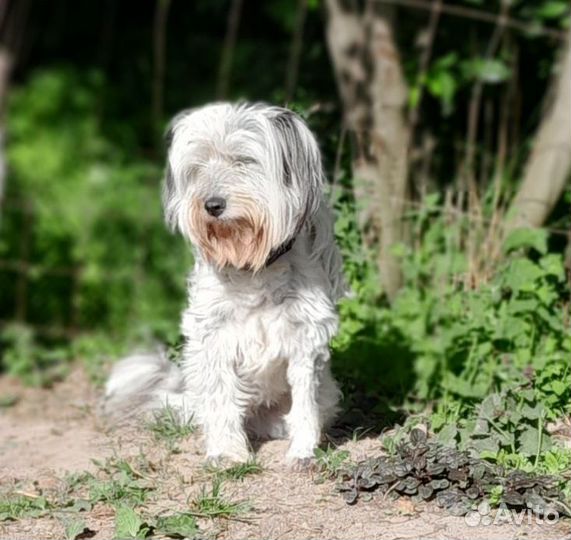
549, 165
373, 90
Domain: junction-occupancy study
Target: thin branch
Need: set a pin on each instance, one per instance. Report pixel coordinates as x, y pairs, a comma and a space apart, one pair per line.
22, 281
338, 157
13, 19
107, 33
232, 25
159, 50
16, 17
456, 210
475, 14
475, 101
3, 11
435, 11
295, 51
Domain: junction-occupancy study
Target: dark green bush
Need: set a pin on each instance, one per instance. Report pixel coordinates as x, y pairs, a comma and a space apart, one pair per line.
99, 256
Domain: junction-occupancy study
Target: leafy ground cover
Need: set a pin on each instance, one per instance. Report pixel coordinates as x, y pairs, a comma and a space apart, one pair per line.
427, 470
486, 364
63, 475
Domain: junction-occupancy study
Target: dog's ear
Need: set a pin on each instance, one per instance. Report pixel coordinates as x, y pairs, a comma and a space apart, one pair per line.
300, 157
170, 195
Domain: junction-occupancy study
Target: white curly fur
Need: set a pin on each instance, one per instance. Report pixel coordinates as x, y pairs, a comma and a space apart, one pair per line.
257, 331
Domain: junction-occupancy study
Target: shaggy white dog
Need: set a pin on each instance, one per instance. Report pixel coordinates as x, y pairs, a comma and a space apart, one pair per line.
244, 184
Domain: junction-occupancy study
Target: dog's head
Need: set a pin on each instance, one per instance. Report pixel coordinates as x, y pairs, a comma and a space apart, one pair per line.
241, 181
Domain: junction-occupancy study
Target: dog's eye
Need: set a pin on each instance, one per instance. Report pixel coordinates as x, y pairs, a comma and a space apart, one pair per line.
245, 160
192, 171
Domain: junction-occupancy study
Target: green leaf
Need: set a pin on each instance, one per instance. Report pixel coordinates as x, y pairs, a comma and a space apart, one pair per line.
529, 441
521, 275
517, 306
489, 444
481, 427
437, 420
491, 71
443, 85
464, 388
447, 436
533, 412
558, 387
553, 9
73, 528
177, 526
491, 406
553, 265
128, 524
526, 238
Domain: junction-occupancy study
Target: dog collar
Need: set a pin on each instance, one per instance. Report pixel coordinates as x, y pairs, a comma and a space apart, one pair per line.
276, 253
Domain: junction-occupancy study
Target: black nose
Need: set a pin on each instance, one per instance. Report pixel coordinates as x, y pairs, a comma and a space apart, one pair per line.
215, 206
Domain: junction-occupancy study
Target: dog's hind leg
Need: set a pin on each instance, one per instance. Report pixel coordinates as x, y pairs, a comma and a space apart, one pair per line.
328, 397
269, 422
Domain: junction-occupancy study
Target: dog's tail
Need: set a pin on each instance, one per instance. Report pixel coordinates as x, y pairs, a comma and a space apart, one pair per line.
144, 383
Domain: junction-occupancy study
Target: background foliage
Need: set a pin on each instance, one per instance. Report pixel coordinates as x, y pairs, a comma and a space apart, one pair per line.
479, 336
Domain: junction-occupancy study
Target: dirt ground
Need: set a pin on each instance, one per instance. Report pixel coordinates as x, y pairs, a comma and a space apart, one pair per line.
49, 433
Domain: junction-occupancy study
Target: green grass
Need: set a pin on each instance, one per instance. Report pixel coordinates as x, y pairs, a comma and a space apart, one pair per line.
13, 507
330, 460
8, 401
166, 426
212, 504
73, 526
178, 525
236, 472
116, 483
121, 484
131, 524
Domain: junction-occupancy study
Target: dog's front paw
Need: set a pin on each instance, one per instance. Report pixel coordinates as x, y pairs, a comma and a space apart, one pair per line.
217, 462
303, 465
223, 461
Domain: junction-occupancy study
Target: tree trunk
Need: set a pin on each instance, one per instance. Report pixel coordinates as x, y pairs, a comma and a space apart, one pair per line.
549, 165
374, 94
13, 17
5, 68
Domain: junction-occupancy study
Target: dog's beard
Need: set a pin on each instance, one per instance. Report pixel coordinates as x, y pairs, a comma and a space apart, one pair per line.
240, 242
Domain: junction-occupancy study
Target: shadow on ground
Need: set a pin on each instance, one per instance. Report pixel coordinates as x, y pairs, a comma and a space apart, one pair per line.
376, 374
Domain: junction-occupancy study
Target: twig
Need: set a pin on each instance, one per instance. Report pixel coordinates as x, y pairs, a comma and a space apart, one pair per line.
435, 11
22, 282
338, 156
224, 516
295, 51
232, 25
159, 49
475, 100
475, 14
3, 10
27, 494
560, 503
392, 488
539, 438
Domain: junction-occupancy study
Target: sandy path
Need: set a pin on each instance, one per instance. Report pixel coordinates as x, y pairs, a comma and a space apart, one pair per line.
51, 432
